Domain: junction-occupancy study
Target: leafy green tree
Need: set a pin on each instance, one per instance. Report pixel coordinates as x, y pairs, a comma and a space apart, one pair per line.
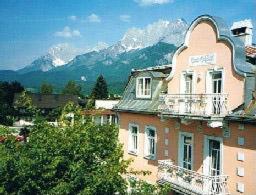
24, 105
77, 158
100, 90
72, 88
82, 158
46, 88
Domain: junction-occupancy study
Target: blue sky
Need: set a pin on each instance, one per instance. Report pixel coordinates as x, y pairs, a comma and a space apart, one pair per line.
29, 27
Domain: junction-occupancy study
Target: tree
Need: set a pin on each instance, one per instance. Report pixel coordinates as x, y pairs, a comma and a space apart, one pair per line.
77, 158
100, 90
7, 92
72, 88
24, 102
46, 88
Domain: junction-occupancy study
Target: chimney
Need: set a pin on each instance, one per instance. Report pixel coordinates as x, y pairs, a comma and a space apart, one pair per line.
243, 30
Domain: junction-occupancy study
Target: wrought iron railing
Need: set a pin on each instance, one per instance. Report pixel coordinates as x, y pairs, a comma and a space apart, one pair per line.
191, 182
194, 104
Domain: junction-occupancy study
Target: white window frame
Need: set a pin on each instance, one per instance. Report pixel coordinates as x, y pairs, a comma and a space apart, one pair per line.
141, 94
209, 81
206, 161
147, 155
181, 148
183, 81
131, 148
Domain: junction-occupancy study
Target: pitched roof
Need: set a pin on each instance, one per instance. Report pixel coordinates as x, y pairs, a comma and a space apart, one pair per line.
250, 51
49, 101
129, 102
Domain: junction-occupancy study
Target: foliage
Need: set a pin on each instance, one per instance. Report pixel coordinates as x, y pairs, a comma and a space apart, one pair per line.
100, 90
90, 104
72, 88
82, 158
24, 103
140, 187
74, 158
53, 114
7, 91
46, 88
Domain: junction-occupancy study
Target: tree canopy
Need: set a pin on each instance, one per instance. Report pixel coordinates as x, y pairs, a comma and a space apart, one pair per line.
74, 158
46, 88
72, 88
7, 92
100, 90
24, 102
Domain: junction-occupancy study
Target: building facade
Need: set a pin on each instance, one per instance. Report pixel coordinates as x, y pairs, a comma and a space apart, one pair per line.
192, 123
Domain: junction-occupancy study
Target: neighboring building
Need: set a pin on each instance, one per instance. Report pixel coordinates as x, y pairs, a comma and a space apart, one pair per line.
192, 123
103, 113
48, 102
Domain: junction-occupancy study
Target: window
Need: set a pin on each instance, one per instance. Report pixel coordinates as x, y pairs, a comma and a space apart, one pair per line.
133, 138
186, 150
143, 87
150, 142
188, 83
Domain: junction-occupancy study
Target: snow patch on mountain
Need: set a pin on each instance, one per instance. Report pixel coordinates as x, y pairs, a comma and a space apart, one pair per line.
62, 53
172, 32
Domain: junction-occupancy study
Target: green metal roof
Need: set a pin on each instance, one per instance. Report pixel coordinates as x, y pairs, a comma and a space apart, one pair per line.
130, 103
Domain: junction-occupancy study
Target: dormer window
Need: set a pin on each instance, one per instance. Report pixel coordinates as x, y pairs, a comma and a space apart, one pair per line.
143, 87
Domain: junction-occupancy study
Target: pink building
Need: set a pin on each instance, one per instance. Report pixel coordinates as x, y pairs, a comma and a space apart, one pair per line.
193, 123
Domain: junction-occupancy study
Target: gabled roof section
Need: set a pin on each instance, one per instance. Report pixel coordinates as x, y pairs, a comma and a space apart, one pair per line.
50, 101
223, 34
129, 102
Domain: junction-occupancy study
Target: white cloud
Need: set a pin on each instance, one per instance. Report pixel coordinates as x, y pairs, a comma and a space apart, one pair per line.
125, 18
152, 2
67, 32
94, 18
73, 18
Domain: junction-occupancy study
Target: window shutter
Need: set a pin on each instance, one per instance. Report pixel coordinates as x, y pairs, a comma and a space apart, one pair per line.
146, 142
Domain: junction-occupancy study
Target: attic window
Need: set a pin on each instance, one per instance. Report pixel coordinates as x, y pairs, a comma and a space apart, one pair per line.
143, 87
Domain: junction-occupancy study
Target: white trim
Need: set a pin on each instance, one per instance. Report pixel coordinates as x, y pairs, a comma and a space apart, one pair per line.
208, 78
186, 44
146, 155
130, 150
181, 146
143, 87
206, 153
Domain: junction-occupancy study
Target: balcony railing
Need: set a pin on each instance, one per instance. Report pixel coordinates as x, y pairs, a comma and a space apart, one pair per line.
194, 104
190, 182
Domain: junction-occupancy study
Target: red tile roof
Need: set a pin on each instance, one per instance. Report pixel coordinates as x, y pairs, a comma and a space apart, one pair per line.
250, 51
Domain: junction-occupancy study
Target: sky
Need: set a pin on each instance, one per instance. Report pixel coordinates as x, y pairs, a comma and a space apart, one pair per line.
28, 28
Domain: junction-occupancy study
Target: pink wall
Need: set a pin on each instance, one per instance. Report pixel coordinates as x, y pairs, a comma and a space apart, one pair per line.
230, 147
202, 41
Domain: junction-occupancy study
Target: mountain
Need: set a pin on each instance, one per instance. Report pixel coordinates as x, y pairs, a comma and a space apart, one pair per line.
85, 68
57, 55
139, 48
162, 30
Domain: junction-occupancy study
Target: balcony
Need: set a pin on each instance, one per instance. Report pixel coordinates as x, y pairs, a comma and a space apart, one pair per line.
190, 182
214, 105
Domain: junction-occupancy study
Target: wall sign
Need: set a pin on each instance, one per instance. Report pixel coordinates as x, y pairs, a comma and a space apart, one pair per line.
207, 59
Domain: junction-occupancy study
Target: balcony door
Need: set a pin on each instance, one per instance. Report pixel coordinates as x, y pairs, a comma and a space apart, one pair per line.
212, 156
188, 92
217, 86
186, 150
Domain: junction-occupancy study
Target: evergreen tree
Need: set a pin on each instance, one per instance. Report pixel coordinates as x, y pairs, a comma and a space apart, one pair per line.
46, 88
100, 90
7, 91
